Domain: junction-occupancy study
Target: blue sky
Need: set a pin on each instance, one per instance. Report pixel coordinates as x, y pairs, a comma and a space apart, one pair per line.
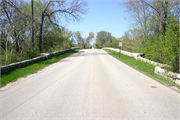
104, 15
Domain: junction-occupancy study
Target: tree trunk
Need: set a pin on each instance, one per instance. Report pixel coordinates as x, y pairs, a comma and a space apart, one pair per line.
32, 24
40, 35
165, 16
16, 41
6, 49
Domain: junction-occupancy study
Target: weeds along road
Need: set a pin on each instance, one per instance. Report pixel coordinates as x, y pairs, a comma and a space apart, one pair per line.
89, 85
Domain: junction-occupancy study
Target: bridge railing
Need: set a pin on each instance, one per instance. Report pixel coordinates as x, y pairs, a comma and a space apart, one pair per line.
44, 56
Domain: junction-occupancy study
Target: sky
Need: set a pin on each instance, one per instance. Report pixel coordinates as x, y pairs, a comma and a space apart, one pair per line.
102, 15
106, 15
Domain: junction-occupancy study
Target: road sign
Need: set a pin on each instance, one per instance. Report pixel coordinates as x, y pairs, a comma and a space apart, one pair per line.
120, 45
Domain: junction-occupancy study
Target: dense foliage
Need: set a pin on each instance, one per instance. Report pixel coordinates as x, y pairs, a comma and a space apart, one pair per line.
156, 31
105, 39
24, 36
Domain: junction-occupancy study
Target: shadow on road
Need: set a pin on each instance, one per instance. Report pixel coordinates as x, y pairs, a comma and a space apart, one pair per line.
84, 53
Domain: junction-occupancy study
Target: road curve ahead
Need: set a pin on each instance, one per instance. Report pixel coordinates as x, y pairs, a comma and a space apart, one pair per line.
89, 85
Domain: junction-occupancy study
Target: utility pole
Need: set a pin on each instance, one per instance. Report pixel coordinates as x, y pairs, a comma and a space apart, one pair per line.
32, 23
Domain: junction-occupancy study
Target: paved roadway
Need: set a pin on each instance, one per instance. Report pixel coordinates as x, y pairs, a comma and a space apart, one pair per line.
89, 85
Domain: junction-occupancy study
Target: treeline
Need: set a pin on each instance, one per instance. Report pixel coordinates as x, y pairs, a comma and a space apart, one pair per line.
83, 42
154, 31
105, 39
24, 36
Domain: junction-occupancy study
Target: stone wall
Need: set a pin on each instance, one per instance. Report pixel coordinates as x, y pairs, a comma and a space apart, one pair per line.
158, 69
44, 56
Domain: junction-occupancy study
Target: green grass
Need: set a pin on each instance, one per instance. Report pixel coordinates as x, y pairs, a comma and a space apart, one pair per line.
144, 67
21, 72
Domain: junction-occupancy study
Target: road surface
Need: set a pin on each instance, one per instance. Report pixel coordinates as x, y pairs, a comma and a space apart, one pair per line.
89, 85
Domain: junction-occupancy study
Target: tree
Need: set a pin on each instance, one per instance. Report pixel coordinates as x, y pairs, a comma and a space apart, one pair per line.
67, 34
115, 43
71, 11
84, 41
156, 10
127, 42
15, 25
102, 38
78, 38
88, 39
48, 34
171, 43
155, 29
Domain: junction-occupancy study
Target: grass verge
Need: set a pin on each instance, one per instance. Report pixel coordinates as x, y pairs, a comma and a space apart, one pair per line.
21, 72
143, 67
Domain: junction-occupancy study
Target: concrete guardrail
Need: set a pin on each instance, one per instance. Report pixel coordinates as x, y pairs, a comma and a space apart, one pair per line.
158, 69
44, 56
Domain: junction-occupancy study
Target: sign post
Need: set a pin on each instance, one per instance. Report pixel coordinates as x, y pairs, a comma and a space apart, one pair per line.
120, 45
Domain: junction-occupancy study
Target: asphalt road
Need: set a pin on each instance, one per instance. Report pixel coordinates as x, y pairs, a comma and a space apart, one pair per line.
89, 85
